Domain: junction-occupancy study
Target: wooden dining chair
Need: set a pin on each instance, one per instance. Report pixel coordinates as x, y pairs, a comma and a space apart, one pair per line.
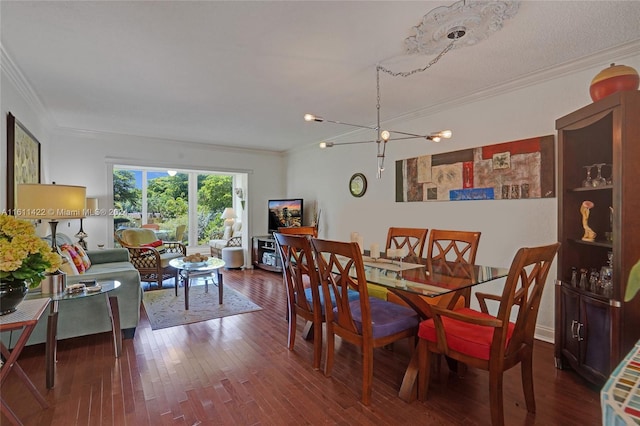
411, 238
459, 248
456, 248
303, 288
304, 296
299, 230
492, 342
366, 322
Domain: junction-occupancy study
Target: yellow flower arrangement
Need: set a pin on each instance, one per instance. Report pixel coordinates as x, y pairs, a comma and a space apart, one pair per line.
23, 255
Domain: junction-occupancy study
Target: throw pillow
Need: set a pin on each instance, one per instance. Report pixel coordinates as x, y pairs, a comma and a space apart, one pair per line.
68, 267
73, 255
227, 233
83, 255
158, 245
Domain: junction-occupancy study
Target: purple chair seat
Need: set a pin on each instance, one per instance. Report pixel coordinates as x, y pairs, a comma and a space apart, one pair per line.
386, 318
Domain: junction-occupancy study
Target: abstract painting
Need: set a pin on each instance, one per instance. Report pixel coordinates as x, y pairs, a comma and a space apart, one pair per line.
510, 170
23, 158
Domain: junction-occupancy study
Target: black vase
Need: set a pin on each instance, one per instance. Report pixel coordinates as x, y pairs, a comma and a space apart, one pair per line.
11, 294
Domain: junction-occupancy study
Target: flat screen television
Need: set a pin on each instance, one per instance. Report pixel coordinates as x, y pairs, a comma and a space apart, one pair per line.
285, 213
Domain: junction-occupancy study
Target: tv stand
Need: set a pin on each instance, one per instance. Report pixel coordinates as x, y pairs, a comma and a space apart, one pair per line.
264, 253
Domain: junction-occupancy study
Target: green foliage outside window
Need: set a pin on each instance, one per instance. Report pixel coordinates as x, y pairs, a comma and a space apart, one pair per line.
168, 200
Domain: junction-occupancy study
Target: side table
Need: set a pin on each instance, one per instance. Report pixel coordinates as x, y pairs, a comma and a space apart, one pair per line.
52, 322
25, 317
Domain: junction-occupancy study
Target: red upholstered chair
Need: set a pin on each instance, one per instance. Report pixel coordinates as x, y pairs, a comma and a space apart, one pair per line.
367, 322
492, 342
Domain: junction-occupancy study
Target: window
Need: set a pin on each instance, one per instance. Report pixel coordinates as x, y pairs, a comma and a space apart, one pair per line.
166, 200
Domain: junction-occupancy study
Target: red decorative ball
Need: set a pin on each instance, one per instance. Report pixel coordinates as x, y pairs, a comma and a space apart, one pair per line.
614, 79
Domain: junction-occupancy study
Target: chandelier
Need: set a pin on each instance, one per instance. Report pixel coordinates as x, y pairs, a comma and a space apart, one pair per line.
442, 26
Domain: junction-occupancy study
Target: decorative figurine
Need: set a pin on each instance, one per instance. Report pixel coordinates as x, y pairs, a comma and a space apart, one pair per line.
589, 234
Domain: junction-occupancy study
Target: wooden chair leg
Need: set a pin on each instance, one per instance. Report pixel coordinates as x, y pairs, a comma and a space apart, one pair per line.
526, 367
330, 348
291, 340
424, 369
367, 374
317, 344
495, 397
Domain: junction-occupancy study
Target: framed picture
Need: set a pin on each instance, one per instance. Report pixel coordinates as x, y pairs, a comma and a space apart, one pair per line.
23, 159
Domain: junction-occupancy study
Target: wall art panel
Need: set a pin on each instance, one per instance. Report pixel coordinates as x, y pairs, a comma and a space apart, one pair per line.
505, 171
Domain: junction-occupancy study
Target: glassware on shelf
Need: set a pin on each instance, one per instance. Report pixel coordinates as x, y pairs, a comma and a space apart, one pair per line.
594, 279
583, 279
606, 276
588, 182
599, 180
610, 178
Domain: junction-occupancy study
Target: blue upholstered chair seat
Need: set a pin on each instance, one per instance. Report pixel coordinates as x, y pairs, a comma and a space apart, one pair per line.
352, 295
386, 318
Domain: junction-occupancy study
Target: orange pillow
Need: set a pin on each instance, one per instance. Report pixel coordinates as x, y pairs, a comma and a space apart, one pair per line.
83, 255
74, 256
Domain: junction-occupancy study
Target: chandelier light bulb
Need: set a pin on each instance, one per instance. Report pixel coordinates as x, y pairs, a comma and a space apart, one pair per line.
446, 134
435, 138
324, 145
385, 135
311, 117
172, 172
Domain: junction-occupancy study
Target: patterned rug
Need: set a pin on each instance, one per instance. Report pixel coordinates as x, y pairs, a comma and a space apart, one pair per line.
165, 310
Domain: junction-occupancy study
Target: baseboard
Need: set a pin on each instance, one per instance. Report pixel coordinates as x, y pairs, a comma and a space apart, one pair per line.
546, 334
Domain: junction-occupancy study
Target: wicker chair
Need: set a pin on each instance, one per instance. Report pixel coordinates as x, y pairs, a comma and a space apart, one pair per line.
150, 256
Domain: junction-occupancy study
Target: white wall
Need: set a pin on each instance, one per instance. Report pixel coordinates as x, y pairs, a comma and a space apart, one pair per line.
18, 100
84, 158
506, 225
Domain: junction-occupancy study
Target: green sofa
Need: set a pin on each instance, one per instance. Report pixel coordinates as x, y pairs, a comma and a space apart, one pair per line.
90, 315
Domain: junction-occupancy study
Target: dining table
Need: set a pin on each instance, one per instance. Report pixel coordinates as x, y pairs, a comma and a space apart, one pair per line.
415, 280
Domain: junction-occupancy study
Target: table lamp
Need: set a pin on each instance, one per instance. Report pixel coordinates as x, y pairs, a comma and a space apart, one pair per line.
91, 207
52, 202
228, 215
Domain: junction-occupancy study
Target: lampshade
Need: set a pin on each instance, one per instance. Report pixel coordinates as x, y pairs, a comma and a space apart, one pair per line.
92, 205
50, 201
228, 213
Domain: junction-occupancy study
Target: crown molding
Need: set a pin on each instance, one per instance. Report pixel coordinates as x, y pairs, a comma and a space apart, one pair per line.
601, 58
9, 68
114, 136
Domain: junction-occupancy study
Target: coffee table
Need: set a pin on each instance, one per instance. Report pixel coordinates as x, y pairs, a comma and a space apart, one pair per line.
52, 321
189, 270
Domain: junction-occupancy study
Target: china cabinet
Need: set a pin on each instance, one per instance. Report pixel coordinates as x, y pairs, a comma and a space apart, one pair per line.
598, 162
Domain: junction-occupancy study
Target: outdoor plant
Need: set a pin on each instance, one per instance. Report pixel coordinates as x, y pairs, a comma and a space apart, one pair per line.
23, 255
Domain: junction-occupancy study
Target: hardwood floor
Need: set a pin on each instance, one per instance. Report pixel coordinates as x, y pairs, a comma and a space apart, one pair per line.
238, 371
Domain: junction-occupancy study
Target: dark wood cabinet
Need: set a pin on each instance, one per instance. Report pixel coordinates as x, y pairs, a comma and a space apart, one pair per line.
264, 254
595, 329
586, 336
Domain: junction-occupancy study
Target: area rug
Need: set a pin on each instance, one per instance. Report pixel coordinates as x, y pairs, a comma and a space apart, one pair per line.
165, 310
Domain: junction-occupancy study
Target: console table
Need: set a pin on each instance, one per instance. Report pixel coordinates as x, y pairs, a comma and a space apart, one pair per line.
264, 253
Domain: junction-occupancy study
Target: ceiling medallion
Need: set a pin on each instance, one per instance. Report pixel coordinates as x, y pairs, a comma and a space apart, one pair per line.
476, 20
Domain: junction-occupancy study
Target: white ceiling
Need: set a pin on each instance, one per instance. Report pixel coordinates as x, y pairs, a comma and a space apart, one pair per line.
243, 73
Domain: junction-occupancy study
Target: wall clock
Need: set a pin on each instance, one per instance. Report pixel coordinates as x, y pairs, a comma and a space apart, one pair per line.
358, 185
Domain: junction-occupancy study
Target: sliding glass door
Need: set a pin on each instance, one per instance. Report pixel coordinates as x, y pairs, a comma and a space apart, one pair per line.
177, 205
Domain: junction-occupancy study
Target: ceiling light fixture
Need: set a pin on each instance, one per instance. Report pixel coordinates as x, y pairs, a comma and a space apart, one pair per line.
440, 30
385, 135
